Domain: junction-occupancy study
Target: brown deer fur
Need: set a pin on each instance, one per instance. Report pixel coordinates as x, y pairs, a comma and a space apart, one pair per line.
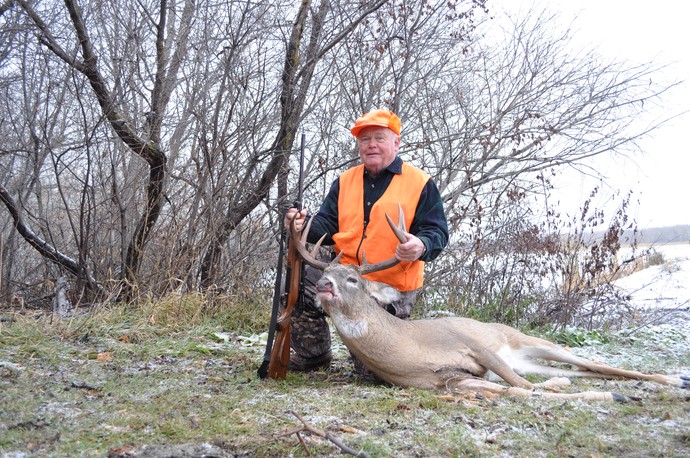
448, 353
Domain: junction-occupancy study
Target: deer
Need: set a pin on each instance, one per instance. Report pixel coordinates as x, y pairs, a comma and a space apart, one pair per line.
454, 354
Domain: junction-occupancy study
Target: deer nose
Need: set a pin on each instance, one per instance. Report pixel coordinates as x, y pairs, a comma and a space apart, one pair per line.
324, 285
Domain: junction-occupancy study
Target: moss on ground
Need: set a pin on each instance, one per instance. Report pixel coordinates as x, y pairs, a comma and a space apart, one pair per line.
111, 382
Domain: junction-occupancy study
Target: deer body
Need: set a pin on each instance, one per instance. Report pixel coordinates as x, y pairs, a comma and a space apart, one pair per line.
451, 352
447, 353
420, 353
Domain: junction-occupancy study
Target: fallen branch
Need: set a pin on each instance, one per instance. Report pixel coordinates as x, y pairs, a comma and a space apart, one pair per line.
306, 427
660, 317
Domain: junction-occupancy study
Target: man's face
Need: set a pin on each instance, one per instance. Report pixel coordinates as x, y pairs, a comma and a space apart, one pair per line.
377, 148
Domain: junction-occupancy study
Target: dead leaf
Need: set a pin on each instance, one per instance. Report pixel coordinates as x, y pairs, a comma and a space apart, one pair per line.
117, 452
105, 356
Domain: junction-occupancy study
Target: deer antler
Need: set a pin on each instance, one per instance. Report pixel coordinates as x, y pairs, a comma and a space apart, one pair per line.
301, 246
309, 257
399, 232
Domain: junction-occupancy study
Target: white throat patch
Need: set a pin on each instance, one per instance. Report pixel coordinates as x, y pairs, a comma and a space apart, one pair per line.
349, 329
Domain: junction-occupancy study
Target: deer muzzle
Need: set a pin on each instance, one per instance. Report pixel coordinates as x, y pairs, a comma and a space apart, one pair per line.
325, 289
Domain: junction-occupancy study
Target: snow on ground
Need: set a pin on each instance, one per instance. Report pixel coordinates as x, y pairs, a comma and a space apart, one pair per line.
665, 286
659, 297
661, 293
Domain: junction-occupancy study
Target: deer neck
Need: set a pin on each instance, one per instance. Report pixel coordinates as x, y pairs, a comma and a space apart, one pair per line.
359, 323
349, 326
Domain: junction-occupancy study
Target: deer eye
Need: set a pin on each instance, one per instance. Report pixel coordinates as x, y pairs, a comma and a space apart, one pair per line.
353, 281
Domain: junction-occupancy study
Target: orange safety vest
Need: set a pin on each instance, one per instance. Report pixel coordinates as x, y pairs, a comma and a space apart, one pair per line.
378, 241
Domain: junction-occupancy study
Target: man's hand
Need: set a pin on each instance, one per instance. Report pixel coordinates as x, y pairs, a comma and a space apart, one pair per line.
299, 216
411, 250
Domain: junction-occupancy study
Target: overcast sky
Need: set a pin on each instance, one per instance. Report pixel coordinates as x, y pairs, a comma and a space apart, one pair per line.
638, 31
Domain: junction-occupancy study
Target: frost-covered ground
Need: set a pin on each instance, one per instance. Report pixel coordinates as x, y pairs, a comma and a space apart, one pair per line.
661, 293
665, 287
659, 300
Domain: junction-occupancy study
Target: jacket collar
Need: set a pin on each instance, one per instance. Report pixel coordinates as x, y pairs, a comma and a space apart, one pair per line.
395, 167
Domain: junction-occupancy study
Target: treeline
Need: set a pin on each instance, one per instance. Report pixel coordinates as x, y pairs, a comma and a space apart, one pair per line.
661, 235
649, 236
149, 147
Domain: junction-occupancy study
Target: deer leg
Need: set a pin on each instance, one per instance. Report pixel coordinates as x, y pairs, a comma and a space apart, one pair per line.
491, 387
553, 352
554, 383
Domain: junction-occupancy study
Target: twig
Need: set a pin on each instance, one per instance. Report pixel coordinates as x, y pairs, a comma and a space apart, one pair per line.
309, 428
681, 308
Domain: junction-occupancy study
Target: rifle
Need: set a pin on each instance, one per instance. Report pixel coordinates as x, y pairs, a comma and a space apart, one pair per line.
280, 349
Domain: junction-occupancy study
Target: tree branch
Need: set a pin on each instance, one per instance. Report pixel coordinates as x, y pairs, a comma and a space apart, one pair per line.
311, 429
44, 248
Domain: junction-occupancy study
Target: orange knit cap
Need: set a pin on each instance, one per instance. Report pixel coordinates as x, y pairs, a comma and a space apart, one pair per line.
381, 118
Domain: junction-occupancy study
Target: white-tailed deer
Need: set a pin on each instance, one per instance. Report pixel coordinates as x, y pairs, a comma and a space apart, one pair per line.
457, 354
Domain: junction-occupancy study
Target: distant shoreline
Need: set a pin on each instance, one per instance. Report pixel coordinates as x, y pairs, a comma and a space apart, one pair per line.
679, 234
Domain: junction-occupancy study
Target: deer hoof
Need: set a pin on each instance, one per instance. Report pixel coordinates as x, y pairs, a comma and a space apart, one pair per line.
619, 398
685, 382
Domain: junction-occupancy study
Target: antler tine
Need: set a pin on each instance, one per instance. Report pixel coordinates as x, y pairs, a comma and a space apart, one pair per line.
303, 239
301, 245
399, 231
401, 218
383, 265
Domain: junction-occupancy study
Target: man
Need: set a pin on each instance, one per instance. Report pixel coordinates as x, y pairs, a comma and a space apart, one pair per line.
353, 217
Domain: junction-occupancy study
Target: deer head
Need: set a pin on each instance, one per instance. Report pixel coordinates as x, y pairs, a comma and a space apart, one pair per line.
338, 277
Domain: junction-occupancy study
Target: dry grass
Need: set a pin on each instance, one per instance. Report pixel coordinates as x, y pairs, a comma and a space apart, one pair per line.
156, 374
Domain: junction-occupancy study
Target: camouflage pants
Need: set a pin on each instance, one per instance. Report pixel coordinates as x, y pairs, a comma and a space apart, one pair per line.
311, 337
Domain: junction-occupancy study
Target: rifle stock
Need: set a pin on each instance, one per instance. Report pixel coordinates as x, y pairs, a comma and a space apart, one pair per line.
280, 353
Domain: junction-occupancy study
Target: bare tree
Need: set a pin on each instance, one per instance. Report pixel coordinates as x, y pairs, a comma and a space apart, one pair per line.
145, 144
136, 63
298, 70
492, 114
153, 143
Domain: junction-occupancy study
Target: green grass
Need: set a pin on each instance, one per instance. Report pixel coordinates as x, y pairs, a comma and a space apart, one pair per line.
118, 378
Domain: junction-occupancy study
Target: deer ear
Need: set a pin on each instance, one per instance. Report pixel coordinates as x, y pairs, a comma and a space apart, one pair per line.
386, 294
